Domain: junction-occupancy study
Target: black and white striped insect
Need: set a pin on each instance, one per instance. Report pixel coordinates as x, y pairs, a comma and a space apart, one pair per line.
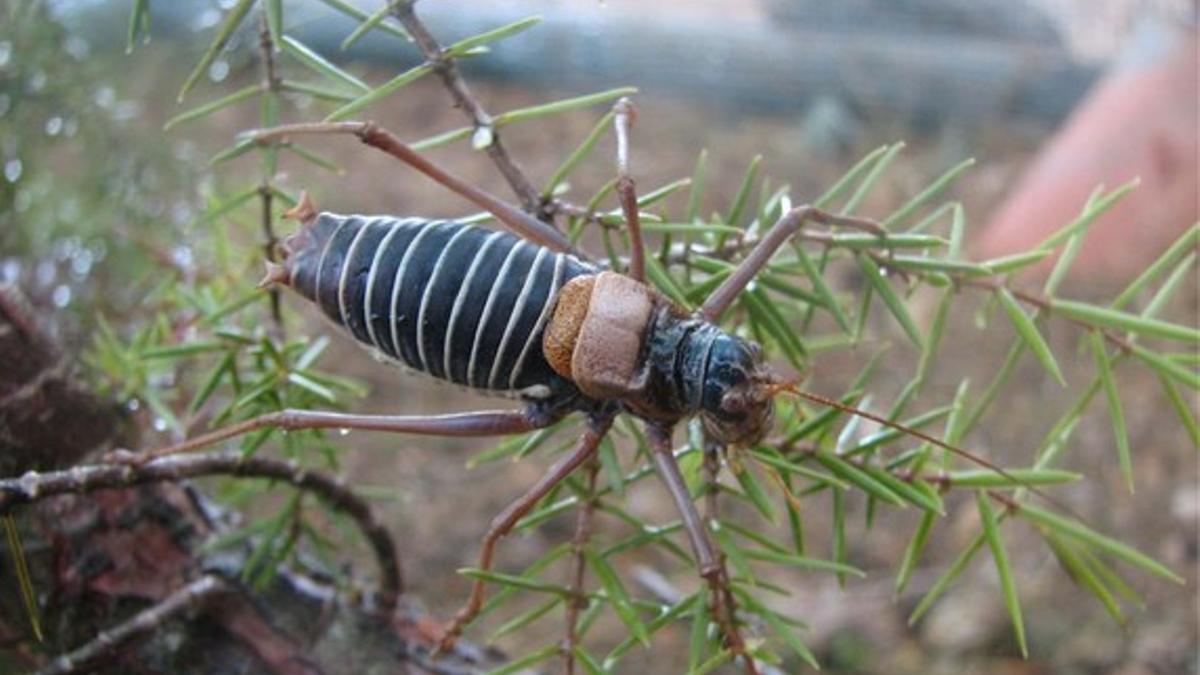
494, 312
455, 301
530, 316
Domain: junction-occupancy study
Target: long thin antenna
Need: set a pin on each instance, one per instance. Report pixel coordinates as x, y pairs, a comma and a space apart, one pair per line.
832, 403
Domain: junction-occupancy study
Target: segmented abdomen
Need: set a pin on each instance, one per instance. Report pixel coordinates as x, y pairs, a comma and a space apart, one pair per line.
459, 302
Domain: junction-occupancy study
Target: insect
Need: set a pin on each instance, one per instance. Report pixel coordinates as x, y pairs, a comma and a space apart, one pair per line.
490, 311
523, 312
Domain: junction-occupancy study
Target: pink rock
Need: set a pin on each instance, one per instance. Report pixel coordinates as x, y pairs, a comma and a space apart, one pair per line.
1136, 123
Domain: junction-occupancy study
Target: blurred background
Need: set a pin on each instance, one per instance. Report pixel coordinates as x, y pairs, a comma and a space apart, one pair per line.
1052, 97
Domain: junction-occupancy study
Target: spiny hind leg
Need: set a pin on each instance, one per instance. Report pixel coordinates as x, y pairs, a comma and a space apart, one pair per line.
482, 423
504, 522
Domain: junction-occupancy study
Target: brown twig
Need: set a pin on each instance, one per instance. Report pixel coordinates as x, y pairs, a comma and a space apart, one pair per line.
270, 85
624, 115
464, 100
994, 284
712, 470
34, 486
577, 600
723, 605
187, 598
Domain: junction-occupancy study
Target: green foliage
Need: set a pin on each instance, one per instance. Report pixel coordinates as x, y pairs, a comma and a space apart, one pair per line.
214, 350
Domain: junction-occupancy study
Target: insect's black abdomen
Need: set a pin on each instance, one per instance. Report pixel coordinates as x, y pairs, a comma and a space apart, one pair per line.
459, 302
304, 251
380, 279
358, 260
532, 310
479, 277
412, 286
497, 312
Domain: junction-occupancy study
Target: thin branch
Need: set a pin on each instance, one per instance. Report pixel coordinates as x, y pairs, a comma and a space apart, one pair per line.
723, 605
34, 486
270, 85
1044, 304
464, 100
576, 211
623, 119
269, 245
577, 600
189, 597
712, 488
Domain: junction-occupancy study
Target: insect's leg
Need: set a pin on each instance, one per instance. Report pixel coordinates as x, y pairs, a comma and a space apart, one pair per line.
513, 218
483, 423
712, 567
504, 522
784, 228
625, 114
668, 470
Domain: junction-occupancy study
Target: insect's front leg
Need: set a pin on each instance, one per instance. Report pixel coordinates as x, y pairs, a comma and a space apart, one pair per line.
783, 229
712, 566
504, 522
483, 423
668, 470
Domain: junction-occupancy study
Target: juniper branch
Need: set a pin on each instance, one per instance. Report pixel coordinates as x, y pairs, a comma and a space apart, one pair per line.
35, 486
270, 85
464, 100
1044, 304
577, 600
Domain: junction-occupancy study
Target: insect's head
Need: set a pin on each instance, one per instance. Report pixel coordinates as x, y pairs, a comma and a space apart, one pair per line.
737, 405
